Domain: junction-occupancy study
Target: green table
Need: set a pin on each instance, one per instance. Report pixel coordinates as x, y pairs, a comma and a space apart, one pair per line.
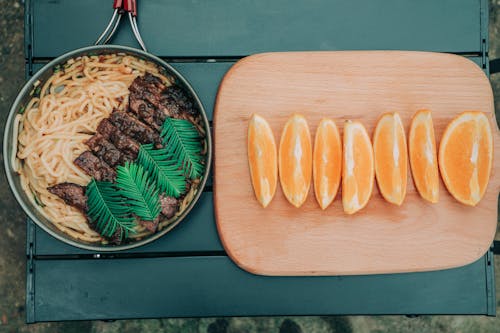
187, 273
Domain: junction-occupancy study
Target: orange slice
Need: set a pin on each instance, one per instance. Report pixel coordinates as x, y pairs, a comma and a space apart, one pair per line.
465, 156
295, 160
327, 162
262, 159
357, 167
391, 157
423, 156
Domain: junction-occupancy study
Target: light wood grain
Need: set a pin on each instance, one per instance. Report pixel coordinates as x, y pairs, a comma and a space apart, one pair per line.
382, 238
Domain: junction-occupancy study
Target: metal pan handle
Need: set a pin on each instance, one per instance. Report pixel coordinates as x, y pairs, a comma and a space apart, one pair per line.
117, 4
120, 8
130, 6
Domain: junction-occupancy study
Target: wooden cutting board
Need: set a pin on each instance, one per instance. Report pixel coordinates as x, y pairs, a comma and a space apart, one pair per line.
361, 85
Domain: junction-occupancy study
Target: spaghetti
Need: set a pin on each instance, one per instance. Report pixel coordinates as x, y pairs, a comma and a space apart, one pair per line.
57, 122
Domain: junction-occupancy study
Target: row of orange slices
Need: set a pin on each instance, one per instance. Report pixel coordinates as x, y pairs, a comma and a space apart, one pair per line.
465, 158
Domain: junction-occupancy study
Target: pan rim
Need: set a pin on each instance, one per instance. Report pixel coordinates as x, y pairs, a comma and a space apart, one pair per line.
7, 144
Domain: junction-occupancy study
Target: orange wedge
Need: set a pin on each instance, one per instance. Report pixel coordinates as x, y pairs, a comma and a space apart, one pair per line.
357, 167
327, 162
391, 157
262, 159
465, 156
295, 160
423, 156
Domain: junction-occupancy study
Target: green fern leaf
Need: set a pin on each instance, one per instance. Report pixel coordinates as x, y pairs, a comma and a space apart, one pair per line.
134, 184
182, 140
163, 170
107, 209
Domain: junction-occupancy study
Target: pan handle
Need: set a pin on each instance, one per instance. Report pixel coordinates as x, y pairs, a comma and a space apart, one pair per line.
130, 6
117, 4
120, 8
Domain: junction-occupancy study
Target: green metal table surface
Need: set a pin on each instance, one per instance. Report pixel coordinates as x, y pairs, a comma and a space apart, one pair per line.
186, 273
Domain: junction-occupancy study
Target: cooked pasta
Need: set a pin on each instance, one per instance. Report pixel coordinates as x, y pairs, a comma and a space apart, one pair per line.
63, 113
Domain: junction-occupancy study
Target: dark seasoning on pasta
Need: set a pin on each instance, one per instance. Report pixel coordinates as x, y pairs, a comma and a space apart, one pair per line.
110, 149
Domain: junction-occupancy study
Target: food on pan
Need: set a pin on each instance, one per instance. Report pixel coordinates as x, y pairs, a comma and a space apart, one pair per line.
295, 160
391, 157
357, 167
327, 162
465, 156
262, 159
423, 156
110, 148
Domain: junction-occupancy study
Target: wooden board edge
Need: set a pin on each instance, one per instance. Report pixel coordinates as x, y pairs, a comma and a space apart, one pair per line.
276, 273
496, 153
493, 123
495, 180
227, 248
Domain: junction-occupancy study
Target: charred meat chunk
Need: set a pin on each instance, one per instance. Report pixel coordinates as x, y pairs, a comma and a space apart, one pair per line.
95, 167
146, 111
105, 150
169, 206
148, 87
144, 98
175, 103
134, 128
128, 146
72, 194
106, 128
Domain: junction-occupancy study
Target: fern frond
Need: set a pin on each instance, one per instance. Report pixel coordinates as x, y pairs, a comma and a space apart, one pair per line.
142, 194
107, 209
182, 140
163, 170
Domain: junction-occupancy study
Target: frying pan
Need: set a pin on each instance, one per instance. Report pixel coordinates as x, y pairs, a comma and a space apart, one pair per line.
25, 95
